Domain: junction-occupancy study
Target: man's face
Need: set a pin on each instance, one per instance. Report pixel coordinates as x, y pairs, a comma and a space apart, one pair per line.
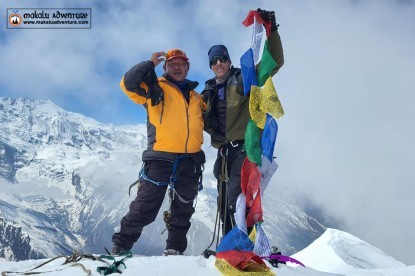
220, 66
177, 69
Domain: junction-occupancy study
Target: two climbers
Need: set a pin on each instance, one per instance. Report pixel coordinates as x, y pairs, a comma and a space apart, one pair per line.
177, 115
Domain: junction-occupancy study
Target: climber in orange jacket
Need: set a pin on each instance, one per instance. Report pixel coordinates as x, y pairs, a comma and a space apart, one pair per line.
173, 157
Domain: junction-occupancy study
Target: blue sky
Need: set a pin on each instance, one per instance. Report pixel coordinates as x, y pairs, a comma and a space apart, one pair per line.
347, 89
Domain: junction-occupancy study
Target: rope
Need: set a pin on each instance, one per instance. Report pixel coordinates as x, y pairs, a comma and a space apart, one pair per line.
207, 252
74, 259
223, 179
115, 266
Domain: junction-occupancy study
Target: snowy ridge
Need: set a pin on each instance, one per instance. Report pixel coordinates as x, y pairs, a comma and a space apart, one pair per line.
328, 255
345, 253
65, 176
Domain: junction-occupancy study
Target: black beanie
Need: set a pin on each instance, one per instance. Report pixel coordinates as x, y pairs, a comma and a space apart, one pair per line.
218, 50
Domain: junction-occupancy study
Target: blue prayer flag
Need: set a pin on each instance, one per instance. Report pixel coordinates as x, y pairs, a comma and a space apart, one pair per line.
249, 76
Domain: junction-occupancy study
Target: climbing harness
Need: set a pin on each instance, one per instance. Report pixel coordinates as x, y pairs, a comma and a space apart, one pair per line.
171, 183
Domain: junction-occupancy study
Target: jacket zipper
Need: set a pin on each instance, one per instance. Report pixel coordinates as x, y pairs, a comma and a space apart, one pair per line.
186, 105
188, 124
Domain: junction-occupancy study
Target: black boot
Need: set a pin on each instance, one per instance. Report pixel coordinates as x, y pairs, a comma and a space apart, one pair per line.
118, 250
171, 252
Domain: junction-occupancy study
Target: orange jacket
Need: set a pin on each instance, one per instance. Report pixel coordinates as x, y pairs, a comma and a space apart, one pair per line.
174, 125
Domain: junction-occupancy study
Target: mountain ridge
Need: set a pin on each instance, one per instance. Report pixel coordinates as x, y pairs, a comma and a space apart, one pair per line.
66, 176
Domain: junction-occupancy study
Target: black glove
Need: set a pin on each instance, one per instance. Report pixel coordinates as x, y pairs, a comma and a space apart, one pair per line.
155, 93
269, 16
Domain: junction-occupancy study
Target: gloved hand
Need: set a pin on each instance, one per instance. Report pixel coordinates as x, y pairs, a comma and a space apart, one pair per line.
269, 16
156, 94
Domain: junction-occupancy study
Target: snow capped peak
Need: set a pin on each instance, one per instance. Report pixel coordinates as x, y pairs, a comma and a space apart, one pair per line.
66, 177
344, 253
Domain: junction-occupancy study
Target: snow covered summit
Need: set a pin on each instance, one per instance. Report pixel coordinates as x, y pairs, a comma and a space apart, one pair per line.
334, 253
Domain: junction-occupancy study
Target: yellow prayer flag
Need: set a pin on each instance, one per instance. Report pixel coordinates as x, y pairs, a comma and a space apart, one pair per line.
257, 115
270, 103
252, 235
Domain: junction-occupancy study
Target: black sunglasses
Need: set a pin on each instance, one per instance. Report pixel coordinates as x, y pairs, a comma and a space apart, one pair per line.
222, 59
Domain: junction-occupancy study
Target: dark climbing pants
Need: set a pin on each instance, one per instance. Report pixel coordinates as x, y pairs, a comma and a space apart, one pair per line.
144, 209
228, 196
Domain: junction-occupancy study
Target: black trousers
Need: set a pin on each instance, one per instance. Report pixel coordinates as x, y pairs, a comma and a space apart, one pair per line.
229, 192
144, 209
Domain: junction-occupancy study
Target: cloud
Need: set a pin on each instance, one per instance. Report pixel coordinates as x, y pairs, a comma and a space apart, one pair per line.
80, 69
345, 140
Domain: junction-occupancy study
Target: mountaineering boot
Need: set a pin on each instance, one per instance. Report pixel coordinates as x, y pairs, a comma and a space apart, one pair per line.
116, 250
171, 252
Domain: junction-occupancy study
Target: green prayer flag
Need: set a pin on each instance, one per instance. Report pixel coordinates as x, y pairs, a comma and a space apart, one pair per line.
253, 143
266, 65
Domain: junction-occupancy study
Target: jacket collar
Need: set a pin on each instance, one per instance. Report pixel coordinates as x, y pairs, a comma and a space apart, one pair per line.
190, 84
211, 83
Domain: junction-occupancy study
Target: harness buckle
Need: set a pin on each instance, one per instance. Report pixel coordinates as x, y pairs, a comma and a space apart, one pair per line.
234, 141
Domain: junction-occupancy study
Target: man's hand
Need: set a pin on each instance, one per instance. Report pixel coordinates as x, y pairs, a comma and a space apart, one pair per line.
157, 57
269, 16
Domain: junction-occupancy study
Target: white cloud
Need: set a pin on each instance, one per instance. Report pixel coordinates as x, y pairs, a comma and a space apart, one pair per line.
346, 137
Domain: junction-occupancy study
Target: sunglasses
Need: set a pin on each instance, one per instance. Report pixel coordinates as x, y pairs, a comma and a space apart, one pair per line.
222, 59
